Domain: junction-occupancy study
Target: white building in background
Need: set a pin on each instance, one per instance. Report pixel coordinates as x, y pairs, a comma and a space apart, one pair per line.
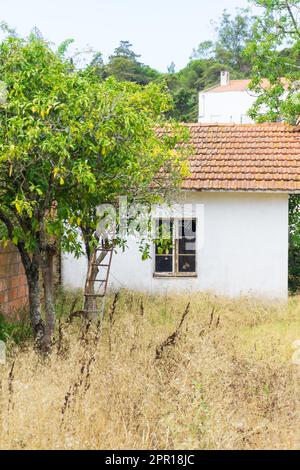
234, 209
227, 102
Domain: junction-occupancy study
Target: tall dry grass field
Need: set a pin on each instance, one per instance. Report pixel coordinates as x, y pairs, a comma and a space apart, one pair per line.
159, 375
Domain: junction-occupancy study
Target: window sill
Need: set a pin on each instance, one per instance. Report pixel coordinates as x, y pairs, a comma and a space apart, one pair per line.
174, 275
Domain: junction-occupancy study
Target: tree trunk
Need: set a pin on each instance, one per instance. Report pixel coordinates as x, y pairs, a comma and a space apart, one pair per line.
47, 272
31, 264
32, 270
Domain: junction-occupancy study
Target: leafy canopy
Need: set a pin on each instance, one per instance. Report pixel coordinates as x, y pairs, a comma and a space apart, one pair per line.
69, 142
275, 51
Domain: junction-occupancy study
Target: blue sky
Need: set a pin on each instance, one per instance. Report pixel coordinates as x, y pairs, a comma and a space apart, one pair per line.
161, 31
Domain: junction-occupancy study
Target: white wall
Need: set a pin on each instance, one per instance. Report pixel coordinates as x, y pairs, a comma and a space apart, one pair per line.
225, 107
242, 248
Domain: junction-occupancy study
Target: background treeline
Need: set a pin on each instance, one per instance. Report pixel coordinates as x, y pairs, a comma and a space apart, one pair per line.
234, 34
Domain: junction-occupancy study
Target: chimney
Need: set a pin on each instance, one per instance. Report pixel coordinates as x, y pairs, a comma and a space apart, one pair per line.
225, 78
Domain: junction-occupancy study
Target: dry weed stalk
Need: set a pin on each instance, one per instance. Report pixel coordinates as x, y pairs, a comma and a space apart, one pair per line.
84, 331
111, 319
142, 310
171, 339
81, 383
10, 386
62, 342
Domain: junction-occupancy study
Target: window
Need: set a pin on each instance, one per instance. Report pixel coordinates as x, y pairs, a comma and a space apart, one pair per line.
175, 248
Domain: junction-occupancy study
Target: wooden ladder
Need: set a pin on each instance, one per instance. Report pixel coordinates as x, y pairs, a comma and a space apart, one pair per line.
102, 267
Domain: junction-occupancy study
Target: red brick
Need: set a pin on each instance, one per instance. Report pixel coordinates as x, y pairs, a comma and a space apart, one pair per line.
18, 281
13, 285
3, 299
13, 294
3, 285
15, 305
22, 292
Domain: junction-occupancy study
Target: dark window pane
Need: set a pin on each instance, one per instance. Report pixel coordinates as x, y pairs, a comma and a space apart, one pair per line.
163, 264
187, 228
187, 264
187, 246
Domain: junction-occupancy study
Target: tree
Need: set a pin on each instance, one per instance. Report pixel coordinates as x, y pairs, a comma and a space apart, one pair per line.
294, 243
40, 126
203, 70
131, 163
125, 50
97, 64
124, 65
205, 50
275, 52
209, 59
186, 84
64, 133
171, 68
233, 35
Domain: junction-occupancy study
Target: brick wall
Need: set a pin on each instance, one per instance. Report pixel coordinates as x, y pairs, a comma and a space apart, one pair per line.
13, 285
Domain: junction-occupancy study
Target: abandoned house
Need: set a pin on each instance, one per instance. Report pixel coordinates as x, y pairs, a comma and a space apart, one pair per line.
233, 206
232, 212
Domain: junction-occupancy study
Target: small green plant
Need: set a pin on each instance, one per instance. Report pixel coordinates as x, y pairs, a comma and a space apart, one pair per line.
14, 331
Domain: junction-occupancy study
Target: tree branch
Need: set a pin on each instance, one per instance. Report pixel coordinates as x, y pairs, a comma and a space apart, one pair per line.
297, 30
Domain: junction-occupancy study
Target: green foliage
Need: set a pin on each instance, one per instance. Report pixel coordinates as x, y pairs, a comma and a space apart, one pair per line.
202, 71
65, 132
208, 60
15, 331
40, 127
185, 85
124, 65
275, 52
234, 33
294, 243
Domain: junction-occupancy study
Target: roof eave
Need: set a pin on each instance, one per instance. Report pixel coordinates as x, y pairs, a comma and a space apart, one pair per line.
223, 190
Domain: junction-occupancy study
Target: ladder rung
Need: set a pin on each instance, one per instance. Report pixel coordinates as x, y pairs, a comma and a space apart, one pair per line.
104, 249
96, 264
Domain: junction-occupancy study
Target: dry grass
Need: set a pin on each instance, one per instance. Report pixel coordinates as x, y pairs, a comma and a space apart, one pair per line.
222, 380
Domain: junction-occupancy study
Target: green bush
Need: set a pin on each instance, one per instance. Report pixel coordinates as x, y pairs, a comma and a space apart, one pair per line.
294, 243
14, 331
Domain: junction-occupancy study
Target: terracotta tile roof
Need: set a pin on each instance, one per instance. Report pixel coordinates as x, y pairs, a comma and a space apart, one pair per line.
244, 157
239, 85
234, 85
